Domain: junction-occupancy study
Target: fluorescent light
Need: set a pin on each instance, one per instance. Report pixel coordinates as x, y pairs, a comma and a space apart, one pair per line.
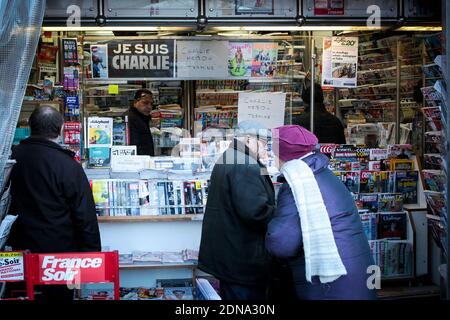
116, 28
419, 28
233, 34
296, 28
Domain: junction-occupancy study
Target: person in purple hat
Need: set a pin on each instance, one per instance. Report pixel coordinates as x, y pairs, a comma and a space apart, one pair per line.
316, 228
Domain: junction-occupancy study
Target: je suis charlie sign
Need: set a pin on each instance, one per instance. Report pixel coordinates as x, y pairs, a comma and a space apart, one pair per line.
133, 59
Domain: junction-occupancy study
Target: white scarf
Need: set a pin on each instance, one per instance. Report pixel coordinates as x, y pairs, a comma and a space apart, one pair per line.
321, 255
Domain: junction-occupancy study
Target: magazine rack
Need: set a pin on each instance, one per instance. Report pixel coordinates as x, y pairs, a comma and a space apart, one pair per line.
71, 269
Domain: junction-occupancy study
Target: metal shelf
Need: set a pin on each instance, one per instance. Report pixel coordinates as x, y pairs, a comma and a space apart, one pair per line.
160, 218
158, 266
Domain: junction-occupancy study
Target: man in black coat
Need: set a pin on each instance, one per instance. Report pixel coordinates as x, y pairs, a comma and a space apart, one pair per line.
50, 194
241, 202
327, 127
139, 122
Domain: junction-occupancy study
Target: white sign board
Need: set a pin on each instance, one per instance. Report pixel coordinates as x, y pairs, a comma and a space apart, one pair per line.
264, 107
11, 266
130, 163
201, 59
340, 62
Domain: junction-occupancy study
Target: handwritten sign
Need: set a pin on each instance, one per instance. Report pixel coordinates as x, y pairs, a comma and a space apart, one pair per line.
200, 59
265, 108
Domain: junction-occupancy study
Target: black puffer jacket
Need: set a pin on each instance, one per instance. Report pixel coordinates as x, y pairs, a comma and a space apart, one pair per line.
53, 200
241, 202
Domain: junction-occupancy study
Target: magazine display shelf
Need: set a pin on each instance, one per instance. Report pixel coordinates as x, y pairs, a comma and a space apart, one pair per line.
151, 232
416, 235
159, 218
159, 266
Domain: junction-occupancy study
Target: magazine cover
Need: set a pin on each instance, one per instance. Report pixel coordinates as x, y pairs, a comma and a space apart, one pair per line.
100, 132
400, 151
179, 196
141, 293
125, 258
183, 282
434, 161
374, 165
393, 225
100, 193
188, 197
178, 293
434, 180
401, 164
378, 154
345, 153
436, 202
99, 61
368, 202
363, 154
432, 71
197, 196
367, 182
240, 59
431, 96
172, 257
434, 142
120, 134
406, 183
264, 59
433, 118
162, 191
147, 256
385, 181
99, 157
72, 132
351, 179
134, 200
370, 225
390, 202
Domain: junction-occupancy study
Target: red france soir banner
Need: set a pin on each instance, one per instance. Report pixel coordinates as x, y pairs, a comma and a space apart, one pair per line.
71, 268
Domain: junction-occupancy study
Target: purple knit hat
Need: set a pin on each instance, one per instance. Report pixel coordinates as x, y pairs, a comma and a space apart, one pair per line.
292, 142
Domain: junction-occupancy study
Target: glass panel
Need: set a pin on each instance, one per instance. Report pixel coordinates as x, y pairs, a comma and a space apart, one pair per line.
59, 8
251, 8
325, 8
152, 8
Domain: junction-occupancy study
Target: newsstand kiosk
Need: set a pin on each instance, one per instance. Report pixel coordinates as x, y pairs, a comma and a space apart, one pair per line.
72, 269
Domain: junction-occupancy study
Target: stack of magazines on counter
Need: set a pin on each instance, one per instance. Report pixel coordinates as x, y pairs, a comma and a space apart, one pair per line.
174, 289
186, 256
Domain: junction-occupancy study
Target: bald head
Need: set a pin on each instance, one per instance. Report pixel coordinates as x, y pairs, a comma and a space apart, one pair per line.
46, 122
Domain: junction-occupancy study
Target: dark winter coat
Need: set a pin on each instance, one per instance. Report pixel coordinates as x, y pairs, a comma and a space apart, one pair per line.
327, 127
140, 134
240, 204
53, 200
284, 238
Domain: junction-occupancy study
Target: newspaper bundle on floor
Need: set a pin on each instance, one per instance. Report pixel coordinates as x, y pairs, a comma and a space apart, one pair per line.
5, 227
